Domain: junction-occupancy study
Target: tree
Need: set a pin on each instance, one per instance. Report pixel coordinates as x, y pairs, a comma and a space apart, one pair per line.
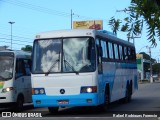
156, 68
140, 12
115, 25
27, 48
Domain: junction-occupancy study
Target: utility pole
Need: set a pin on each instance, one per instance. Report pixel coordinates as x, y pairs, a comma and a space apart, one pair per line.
11, 32
151, 76
133, 38
71, 17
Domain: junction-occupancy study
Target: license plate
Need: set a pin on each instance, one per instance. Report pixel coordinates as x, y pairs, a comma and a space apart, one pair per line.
63, 101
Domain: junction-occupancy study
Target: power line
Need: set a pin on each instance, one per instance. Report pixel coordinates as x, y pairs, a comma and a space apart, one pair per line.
16, 40
44, 10
12, 43
37, 8
16, 36
27, 31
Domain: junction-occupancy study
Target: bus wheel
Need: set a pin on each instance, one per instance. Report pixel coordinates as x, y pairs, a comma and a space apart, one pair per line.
128, 95
105, 105
53, 110
19, 104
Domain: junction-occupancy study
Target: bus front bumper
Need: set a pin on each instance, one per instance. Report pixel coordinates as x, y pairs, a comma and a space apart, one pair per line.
65, 101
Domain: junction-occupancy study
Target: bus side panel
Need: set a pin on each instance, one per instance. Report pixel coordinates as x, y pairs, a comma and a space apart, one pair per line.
117, 75
23, 86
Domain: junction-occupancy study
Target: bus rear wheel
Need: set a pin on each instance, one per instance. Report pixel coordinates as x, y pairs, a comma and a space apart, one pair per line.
128, 95
53, 110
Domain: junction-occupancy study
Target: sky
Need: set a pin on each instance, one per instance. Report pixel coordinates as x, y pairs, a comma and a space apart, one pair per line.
34, 16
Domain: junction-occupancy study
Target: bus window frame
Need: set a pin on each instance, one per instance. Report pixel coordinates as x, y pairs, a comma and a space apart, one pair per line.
118, 44
99, 56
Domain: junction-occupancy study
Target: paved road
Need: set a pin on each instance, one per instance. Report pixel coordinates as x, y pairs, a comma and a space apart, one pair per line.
145, 102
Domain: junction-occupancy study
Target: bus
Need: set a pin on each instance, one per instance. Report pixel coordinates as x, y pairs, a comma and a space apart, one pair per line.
15, 79
82, 67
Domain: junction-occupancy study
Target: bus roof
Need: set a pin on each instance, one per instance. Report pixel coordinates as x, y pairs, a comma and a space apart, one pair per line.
79, 33
18, 53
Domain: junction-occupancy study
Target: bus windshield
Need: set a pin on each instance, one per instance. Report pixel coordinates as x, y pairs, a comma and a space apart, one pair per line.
6, 67
64, 55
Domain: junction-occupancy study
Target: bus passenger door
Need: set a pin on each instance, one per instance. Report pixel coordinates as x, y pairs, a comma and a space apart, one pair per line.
23, 81
100, 70
27, 82
19, 77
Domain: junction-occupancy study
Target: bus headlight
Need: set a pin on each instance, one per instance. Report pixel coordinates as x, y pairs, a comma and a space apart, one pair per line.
89, 89
41, 91
7, 89
38, 91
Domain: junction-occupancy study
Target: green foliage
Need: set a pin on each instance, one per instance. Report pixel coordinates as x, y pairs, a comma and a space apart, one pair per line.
150, 12
140, 12
114, 24
27, 48
156, 68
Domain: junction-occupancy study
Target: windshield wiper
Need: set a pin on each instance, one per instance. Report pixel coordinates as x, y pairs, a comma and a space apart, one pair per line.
66, 62
52, 67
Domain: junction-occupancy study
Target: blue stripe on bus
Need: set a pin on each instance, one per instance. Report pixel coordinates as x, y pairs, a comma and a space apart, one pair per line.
126, 66
74, 100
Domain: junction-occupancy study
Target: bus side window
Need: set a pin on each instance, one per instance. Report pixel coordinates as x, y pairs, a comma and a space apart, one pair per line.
27, 67
130, 57
99, 56
125, 53
104, 49
120, 52
133, 54
110, 48
116, 54
19, 68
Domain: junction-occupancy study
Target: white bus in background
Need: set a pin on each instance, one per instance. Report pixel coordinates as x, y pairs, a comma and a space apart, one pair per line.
15, 79
82, 68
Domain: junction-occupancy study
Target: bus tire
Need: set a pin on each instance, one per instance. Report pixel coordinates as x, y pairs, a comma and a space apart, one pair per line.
19, 104
130, 88
128, 95
53, 110
104, 107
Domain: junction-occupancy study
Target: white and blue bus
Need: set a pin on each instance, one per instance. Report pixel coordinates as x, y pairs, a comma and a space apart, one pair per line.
82, 67
15, 79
